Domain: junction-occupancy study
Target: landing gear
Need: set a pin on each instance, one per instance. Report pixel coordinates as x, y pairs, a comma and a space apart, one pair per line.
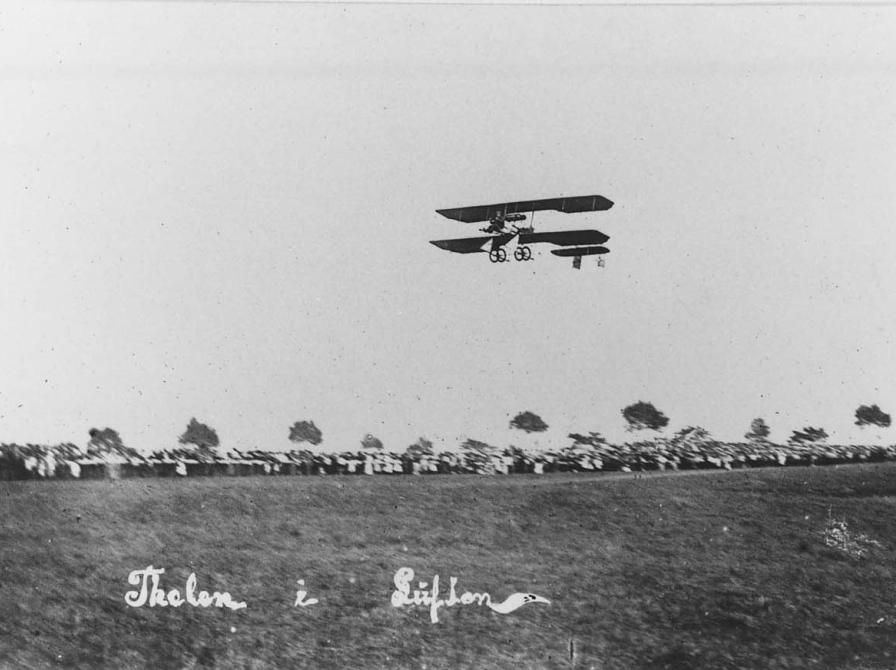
499, 254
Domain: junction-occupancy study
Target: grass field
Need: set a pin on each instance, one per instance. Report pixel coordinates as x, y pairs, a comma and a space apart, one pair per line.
703, 570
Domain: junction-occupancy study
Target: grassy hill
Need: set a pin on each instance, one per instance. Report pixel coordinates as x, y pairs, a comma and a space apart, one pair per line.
700, 570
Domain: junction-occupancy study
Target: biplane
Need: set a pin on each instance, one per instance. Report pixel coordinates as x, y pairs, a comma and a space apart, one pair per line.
506, 228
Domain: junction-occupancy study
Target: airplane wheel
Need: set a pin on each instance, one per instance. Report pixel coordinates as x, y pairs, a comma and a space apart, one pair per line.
502, 254
519, 253
493, 256
527, 253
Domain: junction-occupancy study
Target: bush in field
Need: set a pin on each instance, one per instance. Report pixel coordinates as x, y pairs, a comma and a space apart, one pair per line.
838, 535
872, 416
305, 431
529, 422
643, 415
201, 436
759, 431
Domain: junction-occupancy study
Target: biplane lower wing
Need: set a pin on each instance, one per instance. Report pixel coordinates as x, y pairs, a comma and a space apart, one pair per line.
580, 251
484, 243
472, 245
570, 205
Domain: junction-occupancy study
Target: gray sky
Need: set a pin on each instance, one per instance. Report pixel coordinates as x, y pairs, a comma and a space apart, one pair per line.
223, 211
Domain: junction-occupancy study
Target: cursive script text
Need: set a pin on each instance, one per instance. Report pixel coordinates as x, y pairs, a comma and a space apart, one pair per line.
151, 595
428, 596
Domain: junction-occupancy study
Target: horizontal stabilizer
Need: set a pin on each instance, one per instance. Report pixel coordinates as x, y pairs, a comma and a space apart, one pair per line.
571, 205
565, 238
580, 251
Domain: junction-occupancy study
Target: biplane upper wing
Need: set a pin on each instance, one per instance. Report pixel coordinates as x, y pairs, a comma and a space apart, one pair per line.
570, 205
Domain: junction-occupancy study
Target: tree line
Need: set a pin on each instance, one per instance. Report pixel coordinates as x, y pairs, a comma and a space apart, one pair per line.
639, 416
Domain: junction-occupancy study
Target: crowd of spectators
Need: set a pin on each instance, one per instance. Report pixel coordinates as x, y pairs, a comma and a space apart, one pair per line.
584, 454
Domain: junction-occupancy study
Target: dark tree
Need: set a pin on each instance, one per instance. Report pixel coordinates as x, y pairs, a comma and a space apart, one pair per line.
198, 434
529, 422
422, 447
305, 431
759, 430
809, 435
104, 439
371, 442
107, 441
644, 415
872, 416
